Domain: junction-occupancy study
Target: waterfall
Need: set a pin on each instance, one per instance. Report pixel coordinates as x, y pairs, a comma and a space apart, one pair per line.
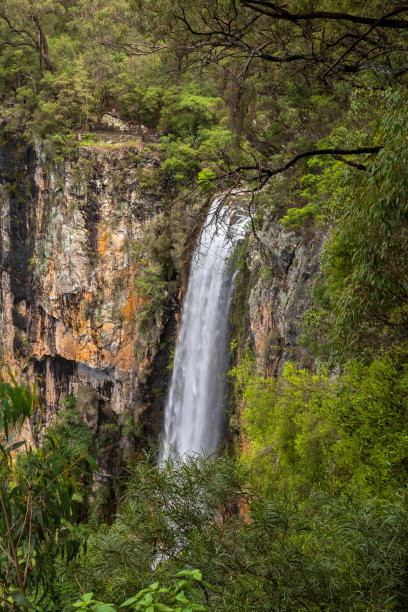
194, 411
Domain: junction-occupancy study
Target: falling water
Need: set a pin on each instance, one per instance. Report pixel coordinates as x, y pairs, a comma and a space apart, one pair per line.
194, 412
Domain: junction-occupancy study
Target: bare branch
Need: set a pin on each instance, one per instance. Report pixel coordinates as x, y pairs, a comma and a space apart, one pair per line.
350, 163
275, 12
262, 174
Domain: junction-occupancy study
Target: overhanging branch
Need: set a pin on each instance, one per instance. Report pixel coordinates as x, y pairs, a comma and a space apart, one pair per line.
262, 174
275, 12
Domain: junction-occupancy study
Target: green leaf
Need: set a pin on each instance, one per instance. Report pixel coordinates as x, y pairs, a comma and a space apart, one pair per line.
182, 597
40, 520
9, 442
16, 445
87, 597
129, 601
19, 598
92, 463
153, 586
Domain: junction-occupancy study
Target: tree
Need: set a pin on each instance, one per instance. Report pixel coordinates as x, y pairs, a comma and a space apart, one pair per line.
259, 550
25, 24
272, 33
259, 49
38, 504
361, 300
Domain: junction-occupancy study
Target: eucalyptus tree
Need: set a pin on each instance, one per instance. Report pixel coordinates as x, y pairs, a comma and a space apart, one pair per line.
29, 24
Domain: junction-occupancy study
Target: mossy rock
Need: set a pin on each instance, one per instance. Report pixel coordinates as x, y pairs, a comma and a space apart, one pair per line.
87, 404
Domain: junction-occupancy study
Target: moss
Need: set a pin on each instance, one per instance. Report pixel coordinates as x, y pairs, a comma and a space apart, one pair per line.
273, 346
72, 435
110, 145
87, 404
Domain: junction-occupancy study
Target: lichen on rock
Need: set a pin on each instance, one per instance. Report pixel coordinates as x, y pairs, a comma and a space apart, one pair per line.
69, 230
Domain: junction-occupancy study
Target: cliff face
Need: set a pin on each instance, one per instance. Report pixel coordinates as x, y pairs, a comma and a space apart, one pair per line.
275, 286
71, 310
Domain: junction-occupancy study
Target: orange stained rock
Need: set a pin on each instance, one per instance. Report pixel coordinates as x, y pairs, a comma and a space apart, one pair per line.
125, 358
67, 346
40, 347
132, 306
261, 326
88, 353
105, 356
102, 243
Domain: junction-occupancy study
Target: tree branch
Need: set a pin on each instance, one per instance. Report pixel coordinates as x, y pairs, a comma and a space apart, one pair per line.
264, 174
278, 13
353, 45
349, 162
17, 44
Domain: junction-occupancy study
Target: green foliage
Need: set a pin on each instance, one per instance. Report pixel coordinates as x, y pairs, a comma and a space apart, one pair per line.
38, 507
175, 598
88, 138
69, 432
151, 286
327, 187
153, 254
17, 403
363, 294
170, 365
297, 217
308, 431
185, 110
344, 553
289, 441
205, 180
188, 150
219, 98
367, 270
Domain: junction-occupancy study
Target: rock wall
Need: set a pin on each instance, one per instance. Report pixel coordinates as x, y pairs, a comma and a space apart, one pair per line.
71, 311
276, 283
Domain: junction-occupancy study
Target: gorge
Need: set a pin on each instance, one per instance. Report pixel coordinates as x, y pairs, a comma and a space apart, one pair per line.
73, 316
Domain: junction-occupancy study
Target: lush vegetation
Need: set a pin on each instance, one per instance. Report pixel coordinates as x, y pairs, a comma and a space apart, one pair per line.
304, 105
39, 495
258, 548
319, 433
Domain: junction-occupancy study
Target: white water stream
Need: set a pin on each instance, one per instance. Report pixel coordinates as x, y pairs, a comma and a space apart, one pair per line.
194, 412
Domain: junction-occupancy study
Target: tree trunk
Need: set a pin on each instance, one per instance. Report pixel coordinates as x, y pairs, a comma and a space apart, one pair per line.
44, 49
